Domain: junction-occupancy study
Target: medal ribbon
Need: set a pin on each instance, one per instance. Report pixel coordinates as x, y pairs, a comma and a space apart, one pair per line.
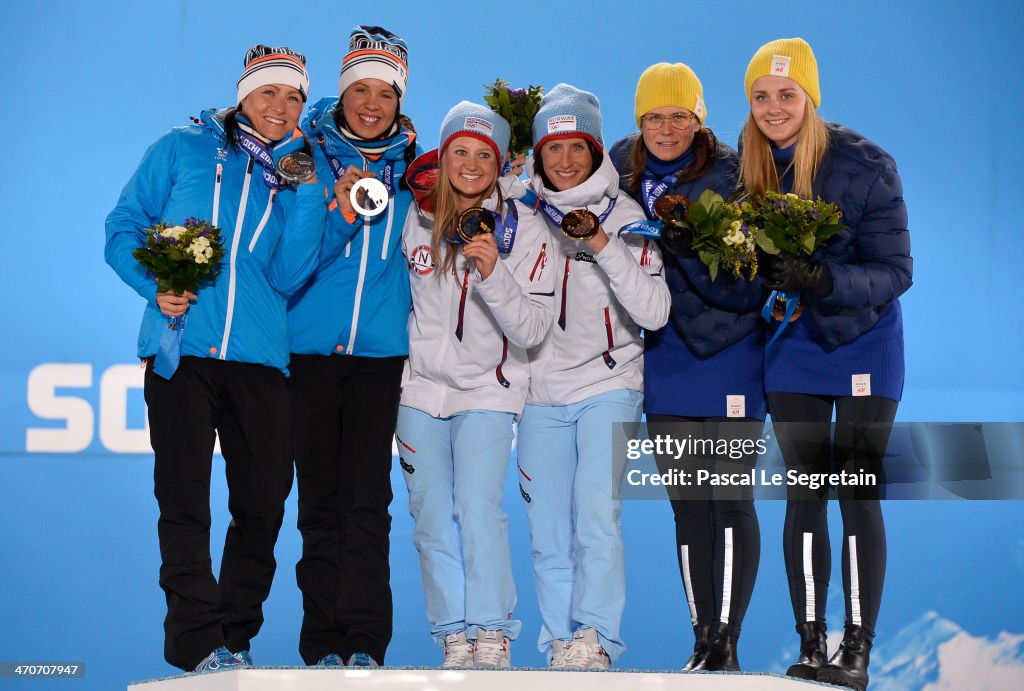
650, 229
556, 216
168, 353
261, 155
387, 176
791, 299
652, 190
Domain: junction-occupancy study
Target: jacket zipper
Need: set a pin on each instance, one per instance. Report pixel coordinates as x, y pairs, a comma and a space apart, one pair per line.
263, 221
231, 264
362, 276
565, 289
504, 356
216, 195
608, 359
462, 304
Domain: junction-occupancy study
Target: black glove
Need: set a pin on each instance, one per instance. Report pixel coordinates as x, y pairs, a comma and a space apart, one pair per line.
677, 240
792, 274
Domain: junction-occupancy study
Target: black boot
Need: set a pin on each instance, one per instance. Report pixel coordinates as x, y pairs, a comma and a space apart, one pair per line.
701, 641
721, 655
812, 651
849, 666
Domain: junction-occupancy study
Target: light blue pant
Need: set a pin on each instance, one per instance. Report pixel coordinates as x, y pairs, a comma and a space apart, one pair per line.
455, 470
567, 475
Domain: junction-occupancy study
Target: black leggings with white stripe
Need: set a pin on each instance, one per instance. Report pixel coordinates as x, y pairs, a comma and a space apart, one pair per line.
802, 425
718, 540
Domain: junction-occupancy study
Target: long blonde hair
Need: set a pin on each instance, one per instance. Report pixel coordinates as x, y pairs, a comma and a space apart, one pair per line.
758, 173
446, 215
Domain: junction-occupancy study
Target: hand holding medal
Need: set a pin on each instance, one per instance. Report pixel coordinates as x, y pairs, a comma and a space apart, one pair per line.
473, 221
475, 231
583, 224
359, 192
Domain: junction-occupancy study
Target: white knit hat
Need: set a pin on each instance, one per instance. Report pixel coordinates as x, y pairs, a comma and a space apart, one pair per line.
265, 65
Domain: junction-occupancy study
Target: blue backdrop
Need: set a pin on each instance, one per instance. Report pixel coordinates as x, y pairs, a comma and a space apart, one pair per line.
91, 85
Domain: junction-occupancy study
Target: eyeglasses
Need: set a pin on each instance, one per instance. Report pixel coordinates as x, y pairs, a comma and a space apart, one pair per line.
679, 121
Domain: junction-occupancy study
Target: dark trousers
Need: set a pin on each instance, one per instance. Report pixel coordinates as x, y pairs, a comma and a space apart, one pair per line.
718, 541
802, 424
247, 405
344, 410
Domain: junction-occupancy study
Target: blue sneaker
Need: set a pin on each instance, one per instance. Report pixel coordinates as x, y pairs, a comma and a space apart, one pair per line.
245, 658
361, 660
332, 660
220, 659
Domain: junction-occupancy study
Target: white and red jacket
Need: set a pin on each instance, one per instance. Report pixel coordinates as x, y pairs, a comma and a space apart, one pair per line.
467, 336
601, 302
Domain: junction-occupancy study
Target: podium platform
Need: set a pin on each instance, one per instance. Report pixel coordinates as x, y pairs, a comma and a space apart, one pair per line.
431, 679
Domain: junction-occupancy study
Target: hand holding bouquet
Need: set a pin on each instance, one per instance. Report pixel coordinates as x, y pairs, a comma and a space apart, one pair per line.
792, 228
181, 258
716, 230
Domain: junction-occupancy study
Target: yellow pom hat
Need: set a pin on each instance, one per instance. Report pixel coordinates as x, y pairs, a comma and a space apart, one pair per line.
786, 57
666, 84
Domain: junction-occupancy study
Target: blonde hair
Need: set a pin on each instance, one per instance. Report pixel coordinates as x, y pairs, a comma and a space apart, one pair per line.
758, 173
446, 216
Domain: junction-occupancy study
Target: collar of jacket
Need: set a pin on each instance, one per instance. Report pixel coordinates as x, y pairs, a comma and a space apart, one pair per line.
599, 187
319, 121
212, 119
491, 204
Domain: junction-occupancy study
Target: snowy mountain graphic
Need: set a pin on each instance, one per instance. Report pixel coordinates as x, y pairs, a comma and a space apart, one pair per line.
935, 654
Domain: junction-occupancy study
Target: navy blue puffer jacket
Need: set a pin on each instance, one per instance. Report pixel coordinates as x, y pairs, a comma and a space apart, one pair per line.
870, 260
709, 316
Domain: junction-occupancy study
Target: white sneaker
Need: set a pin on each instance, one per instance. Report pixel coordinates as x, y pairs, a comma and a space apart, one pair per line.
491, 649
558, 651
584, 651
458, 651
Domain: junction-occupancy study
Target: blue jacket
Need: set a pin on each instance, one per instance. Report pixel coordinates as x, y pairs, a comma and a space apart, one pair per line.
851, 341
358, 301
870, 260
271, 241
711, 347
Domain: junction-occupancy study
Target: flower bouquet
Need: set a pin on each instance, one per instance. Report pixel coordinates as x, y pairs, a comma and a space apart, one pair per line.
181, 258
787, 223
518, 107
718, 233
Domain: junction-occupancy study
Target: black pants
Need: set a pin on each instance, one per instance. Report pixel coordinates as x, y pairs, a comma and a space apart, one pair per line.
718, 541
802, 424
344, 411
247, 405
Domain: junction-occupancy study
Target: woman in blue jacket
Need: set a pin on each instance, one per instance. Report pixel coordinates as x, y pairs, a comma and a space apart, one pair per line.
844, 353
704, 367
348, 337
231, 378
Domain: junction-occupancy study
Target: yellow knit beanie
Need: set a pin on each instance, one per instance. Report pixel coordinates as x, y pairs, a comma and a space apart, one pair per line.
669, 85
786, 57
